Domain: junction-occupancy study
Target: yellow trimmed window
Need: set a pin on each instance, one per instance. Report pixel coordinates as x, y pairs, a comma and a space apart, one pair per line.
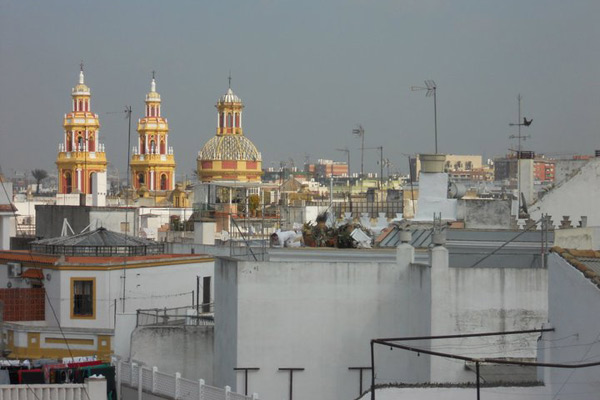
83, 297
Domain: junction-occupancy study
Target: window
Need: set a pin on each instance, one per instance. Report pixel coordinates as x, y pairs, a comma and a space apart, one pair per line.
125, 227
206, 294
83, 297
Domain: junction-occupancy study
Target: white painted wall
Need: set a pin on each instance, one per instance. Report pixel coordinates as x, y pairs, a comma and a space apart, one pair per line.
149, 287
433, 197
587, 238
99, 189
468, 300
526, 177
204, 232
6, 220
319, 316
574, 314
492, 393
157, 216
184, 349
575, 197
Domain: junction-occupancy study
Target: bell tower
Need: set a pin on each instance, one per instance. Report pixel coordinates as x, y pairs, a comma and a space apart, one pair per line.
80, 154
153, 162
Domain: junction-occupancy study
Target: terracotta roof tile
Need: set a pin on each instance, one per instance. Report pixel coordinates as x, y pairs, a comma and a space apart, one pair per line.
586, 261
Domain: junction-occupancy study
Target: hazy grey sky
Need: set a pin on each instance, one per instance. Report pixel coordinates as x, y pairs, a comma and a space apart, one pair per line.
307, 71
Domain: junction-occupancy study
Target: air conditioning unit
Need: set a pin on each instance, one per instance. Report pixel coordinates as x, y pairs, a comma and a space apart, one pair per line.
14, 269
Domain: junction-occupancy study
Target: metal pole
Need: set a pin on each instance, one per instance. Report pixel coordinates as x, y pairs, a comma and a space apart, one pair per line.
519, 155
291, 383
435, 117
197, 295
128, 111
348, 163
372, 371
362, 153
381, 167
477, 371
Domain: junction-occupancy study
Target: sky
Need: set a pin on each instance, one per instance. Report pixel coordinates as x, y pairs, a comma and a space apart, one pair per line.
308, 72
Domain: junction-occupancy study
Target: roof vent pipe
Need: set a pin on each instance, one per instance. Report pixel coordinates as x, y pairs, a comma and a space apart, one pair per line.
438, 238
405, 236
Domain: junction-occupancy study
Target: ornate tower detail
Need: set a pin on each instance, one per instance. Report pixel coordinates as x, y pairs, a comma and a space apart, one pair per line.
152, 162
229, 156
80, 154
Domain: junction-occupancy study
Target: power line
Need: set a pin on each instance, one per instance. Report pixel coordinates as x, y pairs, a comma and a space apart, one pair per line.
391, 342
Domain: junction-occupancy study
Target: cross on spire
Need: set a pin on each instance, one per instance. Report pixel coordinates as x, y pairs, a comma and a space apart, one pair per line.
153, 72
81, 66
229, 79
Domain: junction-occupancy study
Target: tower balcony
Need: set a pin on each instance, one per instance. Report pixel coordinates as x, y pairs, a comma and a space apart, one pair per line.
153, 155
81, 153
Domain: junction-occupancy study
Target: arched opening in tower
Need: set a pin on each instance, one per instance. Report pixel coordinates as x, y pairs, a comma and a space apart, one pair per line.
90, 180
68, 182
163, 182
162, 147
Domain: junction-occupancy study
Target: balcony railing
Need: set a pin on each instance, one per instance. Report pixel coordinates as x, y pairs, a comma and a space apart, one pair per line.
191, 316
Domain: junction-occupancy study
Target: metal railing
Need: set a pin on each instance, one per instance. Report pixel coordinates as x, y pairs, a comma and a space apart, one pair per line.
171, 386
192, 316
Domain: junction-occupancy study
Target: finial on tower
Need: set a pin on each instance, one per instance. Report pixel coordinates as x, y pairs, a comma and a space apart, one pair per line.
229, 79
153, 85
81, 73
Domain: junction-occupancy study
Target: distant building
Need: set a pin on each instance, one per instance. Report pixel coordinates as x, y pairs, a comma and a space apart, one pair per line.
506, 168
459, 167
327, 168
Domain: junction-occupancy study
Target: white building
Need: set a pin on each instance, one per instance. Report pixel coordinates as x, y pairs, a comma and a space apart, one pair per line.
574, 313
90, 285
318, 309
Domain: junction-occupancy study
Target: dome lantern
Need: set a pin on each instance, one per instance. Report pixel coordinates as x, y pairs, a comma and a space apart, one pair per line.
229, 155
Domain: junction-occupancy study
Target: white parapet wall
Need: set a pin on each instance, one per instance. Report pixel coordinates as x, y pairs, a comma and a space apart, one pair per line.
433, 197
99, 189
526, 178
92, 389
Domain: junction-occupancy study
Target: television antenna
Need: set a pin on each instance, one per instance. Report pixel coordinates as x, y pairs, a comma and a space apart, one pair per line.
431, 90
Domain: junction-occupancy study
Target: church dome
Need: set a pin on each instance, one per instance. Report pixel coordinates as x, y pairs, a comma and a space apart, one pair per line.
230, 97
229, 147
229, 155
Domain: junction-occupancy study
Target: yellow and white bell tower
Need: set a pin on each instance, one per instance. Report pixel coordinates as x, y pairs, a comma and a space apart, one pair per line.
153, 162
80, 155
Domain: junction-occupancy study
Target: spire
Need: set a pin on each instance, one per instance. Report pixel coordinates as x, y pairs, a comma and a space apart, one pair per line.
153, 85
229, 79
81, 81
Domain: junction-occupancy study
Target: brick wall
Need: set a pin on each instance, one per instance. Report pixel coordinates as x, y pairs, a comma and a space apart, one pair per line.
23, 304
